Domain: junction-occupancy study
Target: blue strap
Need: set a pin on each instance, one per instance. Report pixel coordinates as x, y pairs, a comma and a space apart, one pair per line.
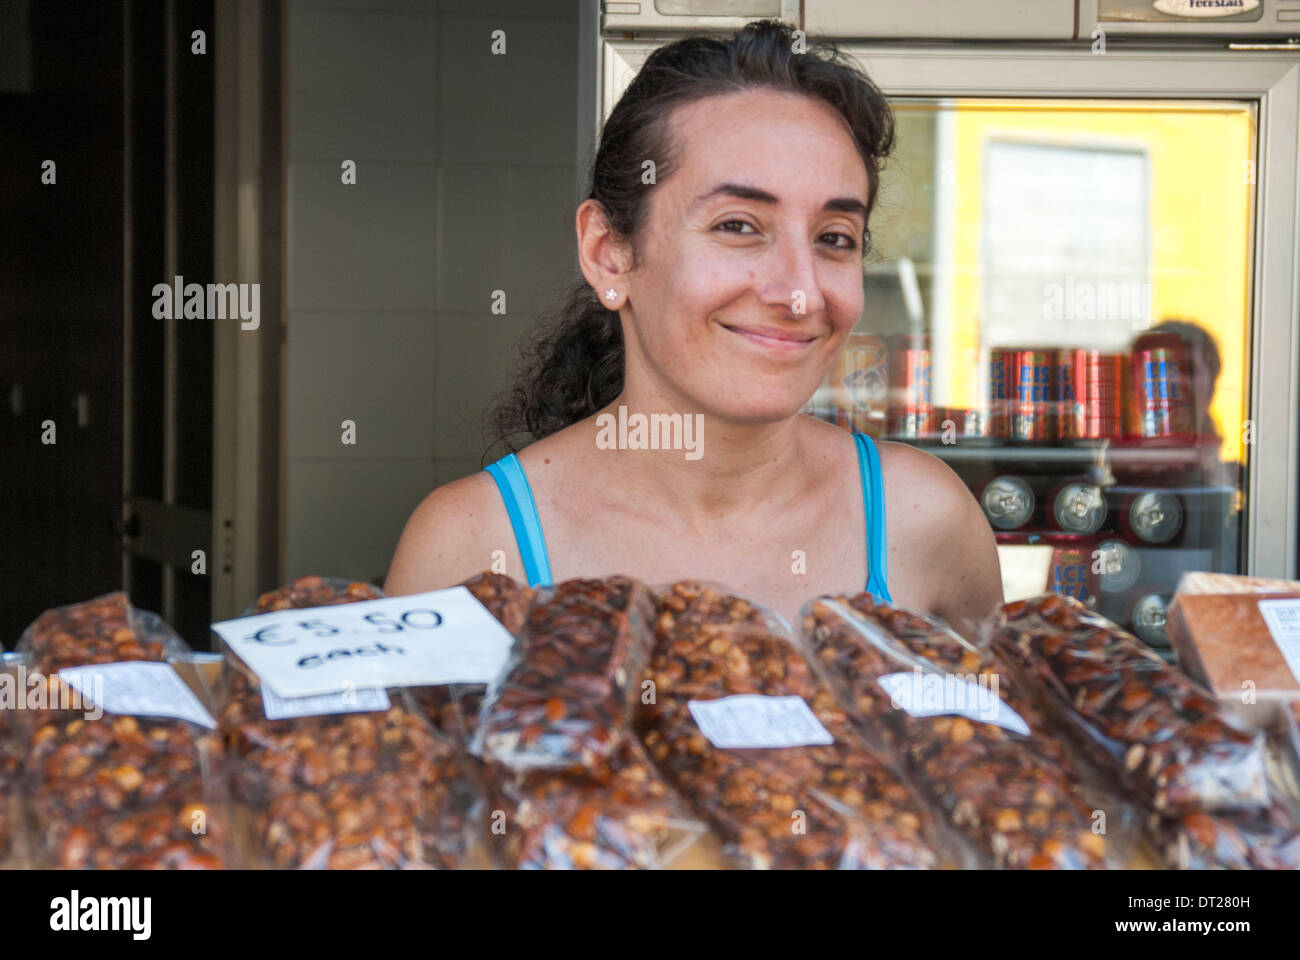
873, 507
518, 496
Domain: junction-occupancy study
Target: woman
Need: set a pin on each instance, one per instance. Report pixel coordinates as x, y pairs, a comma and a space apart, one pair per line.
722, 249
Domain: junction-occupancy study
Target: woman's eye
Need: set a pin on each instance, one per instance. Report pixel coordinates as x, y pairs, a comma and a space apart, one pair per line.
728, 226
842, 241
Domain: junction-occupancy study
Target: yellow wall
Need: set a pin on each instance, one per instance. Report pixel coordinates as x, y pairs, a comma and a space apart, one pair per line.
1200, 196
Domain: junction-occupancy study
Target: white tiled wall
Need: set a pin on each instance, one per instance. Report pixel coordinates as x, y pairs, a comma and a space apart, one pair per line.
466, 165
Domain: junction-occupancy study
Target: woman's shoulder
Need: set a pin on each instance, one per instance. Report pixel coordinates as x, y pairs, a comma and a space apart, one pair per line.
926, 499
450, 536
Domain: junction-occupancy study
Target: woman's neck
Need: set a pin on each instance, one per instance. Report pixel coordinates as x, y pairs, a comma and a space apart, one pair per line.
704, 469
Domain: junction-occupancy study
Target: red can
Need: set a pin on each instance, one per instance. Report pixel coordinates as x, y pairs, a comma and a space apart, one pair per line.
1090, 387
1002, 391
1033, 410
954, 424
1071, 572
911, 403
1158, 393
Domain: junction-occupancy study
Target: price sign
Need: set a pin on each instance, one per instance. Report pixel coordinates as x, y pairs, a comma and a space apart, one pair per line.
426, 639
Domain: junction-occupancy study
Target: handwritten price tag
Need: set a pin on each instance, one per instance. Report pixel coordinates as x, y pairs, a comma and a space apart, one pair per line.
426, 639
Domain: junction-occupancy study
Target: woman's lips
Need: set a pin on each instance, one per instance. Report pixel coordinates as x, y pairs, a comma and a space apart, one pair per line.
784, 341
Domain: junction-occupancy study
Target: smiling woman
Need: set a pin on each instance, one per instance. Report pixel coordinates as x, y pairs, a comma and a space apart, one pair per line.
721, 248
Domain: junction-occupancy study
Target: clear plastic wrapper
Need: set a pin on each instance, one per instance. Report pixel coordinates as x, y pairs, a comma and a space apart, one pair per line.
1164, 737
1259, 840
567, 696
569, 784
374, 789
815, 806
116, 791
454, 707
10, 760
1009, 790
570, 821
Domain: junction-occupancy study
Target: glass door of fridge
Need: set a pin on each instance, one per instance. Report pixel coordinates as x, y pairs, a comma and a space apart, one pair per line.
1057, 304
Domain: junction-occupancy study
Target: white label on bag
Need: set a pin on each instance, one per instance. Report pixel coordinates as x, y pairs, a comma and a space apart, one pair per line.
138, 688
751, 720
922, 693
1282, 617
349, 701
426, 639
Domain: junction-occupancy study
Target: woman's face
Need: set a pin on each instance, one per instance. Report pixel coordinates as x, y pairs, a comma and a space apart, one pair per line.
751, 271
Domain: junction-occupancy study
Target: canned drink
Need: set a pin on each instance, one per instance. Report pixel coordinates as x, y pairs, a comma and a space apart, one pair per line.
911, 403
1149, 617
1079, 507
1002, 391
1033, 413
1071, 572
967, 423
860, 384
1090, 388
1155, 516
1118, 566
1158, 394
1008, 502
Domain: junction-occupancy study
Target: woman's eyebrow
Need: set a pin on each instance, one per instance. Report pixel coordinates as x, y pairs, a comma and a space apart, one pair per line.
743, 192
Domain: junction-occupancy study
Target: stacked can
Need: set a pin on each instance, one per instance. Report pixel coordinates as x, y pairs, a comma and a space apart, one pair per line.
860, 384
1153, 516
1002, 384
1071, 572
1008, 502
1079, 507
1034, 400
911, 404
1090, 391
1158, 395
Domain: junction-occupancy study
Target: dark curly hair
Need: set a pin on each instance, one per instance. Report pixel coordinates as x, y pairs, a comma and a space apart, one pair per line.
573, 364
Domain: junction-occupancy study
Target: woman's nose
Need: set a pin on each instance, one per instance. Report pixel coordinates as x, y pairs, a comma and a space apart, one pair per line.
792, 278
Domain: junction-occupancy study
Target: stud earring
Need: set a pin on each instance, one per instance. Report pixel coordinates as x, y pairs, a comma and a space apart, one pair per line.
611, 294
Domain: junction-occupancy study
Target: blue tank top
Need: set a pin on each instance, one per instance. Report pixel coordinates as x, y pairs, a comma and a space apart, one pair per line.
522, 509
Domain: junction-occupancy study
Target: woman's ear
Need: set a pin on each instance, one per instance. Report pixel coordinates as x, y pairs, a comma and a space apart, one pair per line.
604, 258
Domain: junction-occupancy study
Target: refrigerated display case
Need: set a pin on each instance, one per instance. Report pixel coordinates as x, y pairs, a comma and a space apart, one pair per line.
1083, 289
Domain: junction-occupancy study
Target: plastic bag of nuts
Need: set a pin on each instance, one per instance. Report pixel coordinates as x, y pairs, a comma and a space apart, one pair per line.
362, 788
116, 791
822, 805
980, 751
453, 708
564, 700
10, 758
569, 784
1166, 738
1263, 840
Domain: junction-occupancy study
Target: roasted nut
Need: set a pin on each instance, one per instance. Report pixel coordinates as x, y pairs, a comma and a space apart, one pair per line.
1135, 715
1266, 840
315, 592
1012, 796
92, 783
570, 821
343, 791
849, 808
567, 700
9, 768
563, 763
